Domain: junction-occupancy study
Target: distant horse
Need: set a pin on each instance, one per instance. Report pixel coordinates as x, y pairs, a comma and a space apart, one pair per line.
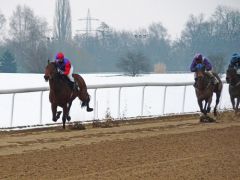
205, 88
62, 95
234, 87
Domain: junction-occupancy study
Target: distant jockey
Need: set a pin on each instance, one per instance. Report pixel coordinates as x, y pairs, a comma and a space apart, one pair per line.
235, 62
65, 68
199, 59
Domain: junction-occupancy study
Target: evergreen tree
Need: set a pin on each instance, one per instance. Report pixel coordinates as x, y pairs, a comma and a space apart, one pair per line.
7, 63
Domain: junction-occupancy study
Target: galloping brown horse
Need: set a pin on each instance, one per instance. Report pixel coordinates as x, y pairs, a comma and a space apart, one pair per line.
62, 95
234, 87
205, 89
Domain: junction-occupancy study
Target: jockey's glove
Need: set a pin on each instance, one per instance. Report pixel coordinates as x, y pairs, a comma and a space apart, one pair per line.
60, 71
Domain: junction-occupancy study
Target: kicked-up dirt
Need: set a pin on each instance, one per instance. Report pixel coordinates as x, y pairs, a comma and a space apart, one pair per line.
178, 147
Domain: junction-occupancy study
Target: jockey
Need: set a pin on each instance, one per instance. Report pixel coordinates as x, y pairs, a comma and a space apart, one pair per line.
199, 59
235, 62
65, 68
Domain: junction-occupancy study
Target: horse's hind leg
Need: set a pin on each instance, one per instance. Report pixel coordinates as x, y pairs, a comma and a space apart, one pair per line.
85, 98
88, 108
237, 105
217, 102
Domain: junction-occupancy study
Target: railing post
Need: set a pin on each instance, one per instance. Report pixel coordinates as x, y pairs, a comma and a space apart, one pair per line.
96, 110
184, 97
119, 101
12, 110
95, 104
143, 92
164, 99
41, 104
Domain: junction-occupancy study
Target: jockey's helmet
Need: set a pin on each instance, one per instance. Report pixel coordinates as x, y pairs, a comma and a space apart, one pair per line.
198, 57
60, 55
235, 56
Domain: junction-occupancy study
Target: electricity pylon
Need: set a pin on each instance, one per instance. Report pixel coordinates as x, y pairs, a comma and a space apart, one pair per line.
88, 20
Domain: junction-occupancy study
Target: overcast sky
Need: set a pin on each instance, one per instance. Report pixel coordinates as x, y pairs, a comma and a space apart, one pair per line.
126, 14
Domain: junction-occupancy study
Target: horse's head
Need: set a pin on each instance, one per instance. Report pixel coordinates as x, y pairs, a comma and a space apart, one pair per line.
231, 76
50, 71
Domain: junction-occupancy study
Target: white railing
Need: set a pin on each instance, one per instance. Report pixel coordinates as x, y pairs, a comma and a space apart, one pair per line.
102, 86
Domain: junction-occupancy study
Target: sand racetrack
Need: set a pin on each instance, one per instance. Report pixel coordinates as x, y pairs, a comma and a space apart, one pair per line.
161, 148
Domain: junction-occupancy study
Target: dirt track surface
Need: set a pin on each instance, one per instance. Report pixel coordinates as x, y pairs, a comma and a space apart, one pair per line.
164, 148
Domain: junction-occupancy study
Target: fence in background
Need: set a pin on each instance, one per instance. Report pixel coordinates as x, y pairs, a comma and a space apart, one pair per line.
102, 86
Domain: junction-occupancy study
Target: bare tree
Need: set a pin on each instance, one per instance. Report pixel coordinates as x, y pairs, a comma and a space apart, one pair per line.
2, 20
2, 25
62, 21
28, 40
226, 21
134, 63
157, 30
218, 63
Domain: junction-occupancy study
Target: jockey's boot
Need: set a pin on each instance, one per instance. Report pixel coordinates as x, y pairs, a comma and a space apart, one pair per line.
72, 85
195, 84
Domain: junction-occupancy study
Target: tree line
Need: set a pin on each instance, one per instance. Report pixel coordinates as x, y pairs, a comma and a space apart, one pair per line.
29, 43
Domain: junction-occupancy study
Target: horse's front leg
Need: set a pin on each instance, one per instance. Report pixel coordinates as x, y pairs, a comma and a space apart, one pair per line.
54, 111
200, 106
65, 114
205, 108
209, 105
68, 111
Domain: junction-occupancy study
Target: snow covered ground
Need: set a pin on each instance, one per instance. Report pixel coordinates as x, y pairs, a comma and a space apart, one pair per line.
27, 105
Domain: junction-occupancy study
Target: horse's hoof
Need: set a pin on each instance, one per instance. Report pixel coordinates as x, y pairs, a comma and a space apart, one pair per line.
54, 120
208, 110
89, 109
58, 114
68, 118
